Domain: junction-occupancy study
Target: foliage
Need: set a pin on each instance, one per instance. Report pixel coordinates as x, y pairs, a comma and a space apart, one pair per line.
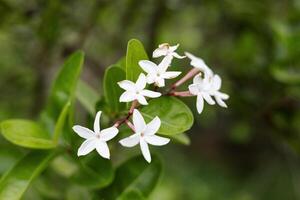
250, 151
134, 178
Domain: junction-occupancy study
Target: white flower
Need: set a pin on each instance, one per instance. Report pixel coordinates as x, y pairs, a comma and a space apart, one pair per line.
136, 91
144, 134
199, 64
95, 139
168, 51
157, 73
205, 88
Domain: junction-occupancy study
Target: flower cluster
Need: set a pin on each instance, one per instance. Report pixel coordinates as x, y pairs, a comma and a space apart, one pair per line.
205, 86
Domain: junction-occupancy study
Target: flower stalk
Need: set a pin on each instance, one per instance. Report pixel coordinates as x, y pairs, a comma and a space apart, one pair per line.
130, 125
188, 76
181, 94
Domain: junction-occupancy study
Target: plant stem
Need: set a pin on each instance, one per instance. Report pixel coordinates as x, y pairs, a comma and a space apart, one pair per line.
189, 75
133, 105
123, 120
171, 92
181, 94
130, 125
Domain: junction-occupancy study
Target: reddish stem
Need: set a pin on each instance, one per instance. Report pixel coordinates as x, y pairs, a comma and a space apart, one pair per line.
133, 105
181, 94
123, 120
130, 125
189, 75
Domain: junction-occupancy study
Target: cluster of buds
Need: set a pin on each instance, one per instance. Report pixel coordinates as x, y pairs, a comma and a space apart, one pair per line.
205, 86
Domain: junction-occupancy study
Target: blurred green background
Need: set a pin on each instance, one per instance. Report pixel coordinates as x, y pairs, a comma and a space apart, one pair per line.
249, 151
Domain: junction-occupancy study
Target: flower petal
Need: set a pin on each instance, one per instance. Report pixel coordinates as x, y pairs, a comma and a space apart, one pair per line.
208, 98
127, 96
159, 52
173, 48
86, 147
97, 122
193, 88
222, 95
156, 140
149, 93
127, 85
160, 82
216, 82
131, 140
176, 55
195, 61
199, 64
138, 121
148, 66
141, 99
164, 64
103, 149
198, 79
108, 133
199, 103
153, 126
151, 78
83, 132
170, 75
141, 82
220, 102
145, 150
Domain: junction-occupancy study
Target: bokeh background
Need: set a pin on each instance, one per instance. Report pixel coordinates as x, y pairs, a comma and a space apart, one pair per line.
249, 151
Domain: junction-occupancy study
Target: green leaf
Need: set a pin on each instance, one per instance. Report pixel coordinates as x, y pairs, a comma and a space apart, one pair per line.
135, 53
26, 133
112, 91
132, 195
181, 138
94, 172
64, 87
9, 158
135, 174
287, 75
75, 192
122, 63
61, 122
16, 181
87, 96
30, 134
175, 116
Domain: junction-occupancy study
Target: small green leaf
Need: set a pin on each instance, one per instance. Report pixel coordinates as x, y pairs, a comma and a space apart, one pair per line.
14, 183
94, 172
135, 174
175, 116
287, 75
61, 122
64, 86
122, 63
132, 195
112, 91
135, 53
87, 96
26, 133
181, 138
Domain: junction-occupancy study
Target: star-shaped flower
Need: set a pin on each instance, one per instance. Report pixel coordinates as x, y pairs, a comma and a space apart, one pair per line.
168, 51
157, 73
136, 91
95, 139
199, 64
205, 88
144, 134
